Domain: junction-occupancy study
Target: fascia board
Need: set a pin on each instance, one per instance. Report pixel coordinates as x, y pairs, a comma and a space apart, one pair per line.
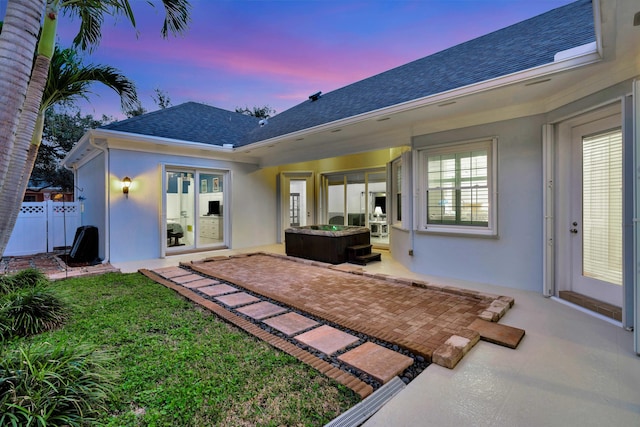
146, 143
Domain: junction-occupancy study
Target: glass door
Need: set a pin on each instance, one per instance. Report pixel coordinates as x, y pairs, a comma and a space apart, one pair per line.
210, 209
194, 209
596, 213
358, 198
180, 210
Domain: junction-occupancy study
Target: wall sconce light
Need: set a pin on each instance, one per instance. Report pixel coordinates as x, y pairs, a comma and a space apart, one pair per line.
126, 183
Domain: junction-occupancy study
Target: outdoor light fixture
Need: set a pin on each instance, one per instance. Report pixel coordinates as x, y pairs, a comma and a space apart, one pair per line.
126, 183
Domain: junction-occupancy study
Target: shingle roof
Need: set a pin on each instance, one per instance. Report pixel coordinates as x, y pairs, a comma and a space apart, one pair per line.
528, 44
519, 47
190, 121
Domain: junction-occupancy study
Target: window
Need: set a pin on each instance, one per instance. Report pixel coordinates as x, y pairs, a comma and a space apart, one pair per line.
458, 188
396, 190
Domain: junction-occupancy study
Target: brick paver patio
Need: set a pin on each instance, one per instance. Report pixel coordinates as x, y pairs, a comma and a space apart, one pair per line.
437, 323
415, 315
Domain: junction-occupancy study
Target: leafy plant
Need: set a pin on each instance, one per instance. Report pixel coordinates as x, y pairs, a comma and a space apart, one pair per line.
54, 385
27, 278
27, 304
30, 311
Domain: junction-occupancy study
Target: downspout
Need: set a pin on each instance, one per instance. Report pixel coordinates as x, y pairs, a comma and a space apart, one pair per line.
107, 219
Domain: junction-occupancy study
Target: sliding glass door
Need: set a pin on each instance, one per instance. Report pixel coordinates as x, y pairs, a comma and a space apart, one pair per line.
358, 198
194, 209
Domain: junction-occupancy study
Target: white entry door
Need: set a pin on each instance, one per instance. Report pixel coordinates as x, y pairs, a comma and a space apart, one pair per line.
596, 215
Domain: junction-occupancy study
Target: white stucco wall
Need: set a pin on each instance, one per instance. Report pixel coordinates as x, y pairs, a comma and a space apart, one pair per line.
134, 223
92, 188
514, 258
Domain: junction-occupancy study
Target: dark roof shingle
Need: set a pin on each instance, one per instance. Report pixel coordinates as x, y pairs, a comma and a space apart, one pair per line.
522, 46
190, 121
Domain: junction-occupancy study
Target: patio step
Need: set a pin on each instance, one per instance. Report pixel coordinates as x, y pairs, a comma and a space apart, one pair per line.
361, 254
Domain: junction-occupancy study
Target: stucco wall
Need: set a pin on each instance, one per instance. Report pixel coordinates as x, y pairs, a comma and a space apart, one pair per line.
514, 258
135, 221
91, 187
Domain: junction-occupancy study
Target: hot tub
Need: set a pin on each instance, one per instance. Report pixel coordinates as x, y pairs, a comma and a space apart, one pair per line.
325, 243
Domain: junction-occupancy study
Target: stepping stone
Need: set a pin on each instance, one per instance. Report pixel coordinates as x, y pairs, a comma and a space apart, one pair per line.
496, 333
215, 290
186, 279
237, 299
290, 323
379, 362
200, 283
171, 272
261, 310
327, 339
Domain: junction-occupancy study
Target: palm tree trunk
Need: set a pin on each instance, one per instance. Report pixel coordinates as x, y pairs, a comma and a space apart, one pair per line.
17, 46
15, 183
24, 152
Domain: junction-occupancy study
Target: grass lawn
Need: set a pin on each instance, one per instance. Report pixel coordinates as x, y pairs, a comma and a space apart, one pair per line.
179, 365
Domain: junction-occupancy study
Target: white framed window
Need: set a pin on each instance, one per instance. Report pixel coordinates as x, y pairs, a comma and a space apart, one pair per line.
458, 188
396, 192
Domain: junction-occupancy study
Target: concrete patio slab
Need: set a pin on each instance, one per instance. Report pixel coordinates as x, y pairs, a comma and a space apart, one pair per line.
238, 299
183, 280
327, 339
379, 362
171, 272
216, 290
290, 323
261, 310
200, 283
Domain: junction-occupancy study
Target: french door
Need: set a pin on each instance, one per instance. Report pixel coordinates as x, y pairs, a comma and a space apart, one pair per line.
596, 211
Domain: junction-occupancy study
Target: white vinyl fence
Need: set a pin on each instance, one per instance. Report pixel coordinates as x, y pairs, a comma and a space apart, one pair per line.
42, 226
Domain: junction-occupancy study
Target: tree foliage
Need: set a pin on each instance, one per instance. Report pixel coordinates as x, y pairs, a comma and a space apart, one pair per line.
61, 131
263, 112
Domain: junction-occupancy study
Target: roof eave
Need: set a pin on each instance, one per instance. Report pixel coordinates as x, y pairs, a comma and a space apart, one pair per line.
577, 57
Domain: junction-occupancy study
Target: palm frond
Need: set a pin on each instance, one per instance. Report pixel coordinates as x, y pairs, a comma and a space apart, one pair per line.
177, 17
70, 79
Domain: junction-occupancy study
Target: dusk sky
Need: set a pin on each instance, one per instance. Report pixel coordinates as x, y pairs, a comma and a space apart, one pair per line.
240, 53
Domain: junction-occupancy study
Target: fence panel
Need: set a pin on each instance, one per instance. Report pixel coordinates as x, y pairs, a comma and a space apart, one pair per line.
63, 220
42, 226
29, 235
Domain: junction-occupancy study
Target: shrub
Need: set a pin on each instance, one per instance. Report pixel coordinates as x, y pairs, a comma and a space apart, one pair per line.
29, 311
6, 284
27, 306
54, 385
24, 279
29, 277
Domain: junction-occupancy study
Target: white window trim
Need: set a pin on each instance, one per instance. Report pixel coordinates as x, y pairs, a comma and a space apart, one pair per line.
491, 230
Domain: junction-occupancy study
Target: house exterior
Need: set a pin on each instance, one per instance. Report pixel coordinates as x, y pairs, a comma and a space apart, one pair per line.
509, 159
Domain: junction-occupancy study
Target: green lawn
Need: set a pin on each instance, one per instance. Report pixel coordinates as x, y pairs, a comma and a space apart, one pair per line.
179, 365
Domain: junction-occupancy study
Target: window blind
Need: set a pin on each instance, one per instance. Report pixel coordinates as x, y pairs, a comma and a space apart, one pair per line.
602, 207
